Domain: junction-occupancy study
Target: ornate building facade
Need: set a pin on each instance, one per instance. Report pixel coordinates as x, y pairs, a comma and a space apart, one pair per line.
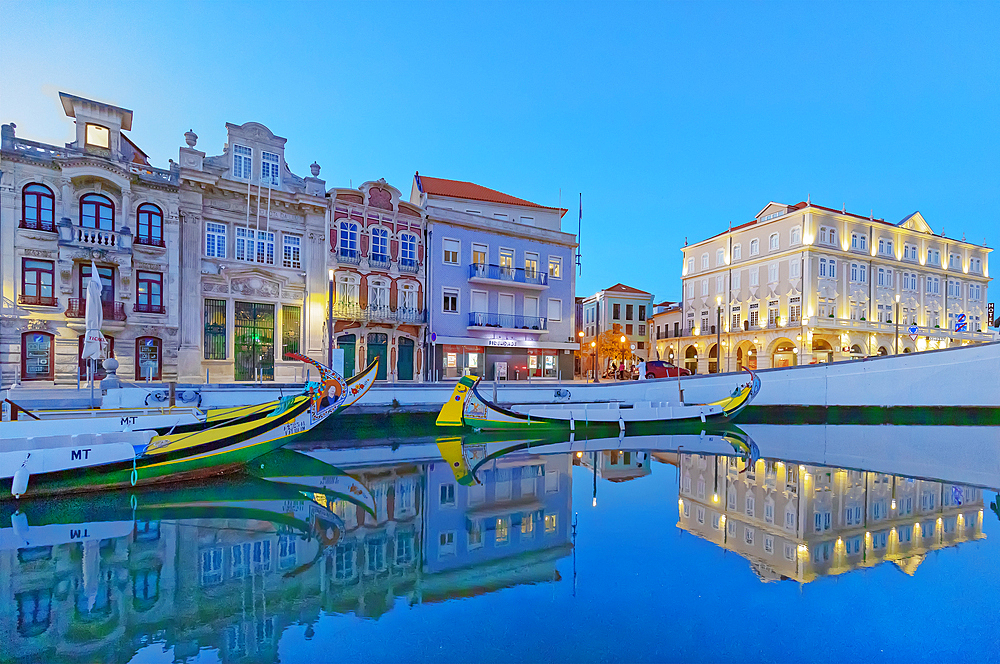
377, 270
95, 200
253, 268
803, 283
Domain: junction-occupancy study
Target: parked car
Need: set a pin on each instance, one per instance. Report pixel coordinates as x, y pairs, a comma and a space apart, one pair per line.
661, 369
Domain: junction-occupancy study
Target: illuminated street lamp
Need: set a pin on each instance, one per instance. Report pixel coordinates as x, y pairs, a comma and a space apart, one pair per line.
896, 349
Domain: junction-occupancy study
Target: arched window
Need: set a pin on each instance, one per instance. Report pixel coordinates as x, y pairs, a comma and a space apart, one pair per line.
99, 371
97, 211
148, 358
348, 241
379, 255
149, 220
38, 208
37, 356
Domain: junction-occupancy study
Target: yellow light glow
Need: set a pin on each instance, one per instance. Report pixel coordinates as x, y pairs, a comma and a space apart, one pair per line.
594, 504
580, 334
680, 502
722, 519
579, 455
802, 469
715, 497
623, 338
893, 503
330, 274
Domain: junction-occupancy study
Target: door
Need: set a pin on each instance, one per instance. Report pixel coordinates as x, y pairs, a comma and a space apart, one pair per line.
531, 312
348, 343
404, 363
506, 310
378, 346
480, 307
254, 341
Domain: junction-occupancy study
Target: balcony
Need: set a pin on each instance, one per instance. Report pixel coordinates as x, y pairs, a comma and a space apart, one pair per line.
379, 261
379, 314
149, 241
482, 273
37, 300
409, 265
78, 309
149, 308
38, 225
478, 319
94, 237
348, 256
890, 328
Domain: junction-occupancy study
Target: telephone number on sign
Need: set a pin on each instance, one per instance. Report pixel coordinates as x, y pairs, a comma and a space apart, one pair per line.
294, 427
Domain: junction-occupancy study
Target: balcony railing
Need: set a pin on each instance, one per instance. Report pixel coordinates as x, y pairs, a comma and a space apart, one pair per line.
509, 274
78, 309
509, 321
150, 241
149, 308
379, 314
379, 261
348, 256
409, 265
38, 225
37, 300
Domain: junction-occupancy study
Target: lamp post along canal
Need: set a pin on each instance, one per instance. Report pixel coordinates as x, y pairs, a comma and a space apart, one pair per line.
329, 323
896, 319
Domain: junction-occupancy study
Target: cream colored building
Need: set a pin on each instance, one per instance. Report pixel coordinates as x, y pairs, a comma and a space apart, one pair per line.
93, 201
803, 283
801, 521
666, 323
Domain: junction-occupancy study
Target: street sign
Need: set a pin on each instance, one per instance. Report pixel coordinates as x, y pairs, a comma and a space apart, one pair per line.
913, 332
960, 324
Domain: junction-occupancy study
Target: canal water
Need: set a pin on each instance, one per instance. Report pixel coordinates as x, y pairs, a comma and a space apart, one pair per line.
759, 543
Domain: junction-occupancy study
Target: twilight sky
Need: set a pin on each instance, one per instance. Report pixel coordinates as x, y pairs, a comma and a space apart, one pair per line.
672, 119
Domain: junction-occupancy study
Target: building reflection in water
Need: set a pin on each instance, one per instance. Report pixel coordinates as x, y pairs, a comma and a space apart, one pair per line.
234, 585
802, 522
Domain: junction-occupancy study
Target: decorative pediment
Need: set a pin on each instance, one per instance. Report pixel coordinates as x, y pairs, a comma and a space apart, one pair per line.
828, 290
859, 293
254, 286
916, 222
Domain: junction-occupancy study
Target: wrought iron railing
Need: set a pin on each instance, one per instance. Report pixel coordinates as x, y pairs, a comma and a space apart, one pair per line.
409, 265
511, 274
149, 241
37, 300
380, 261
511, 321
379, 314
78, 309
38, 225
149, 308
348, 256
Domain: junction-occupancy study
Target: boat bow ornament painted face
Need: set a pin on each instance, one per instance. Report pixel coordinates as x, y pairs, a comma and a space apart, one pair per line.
331, 391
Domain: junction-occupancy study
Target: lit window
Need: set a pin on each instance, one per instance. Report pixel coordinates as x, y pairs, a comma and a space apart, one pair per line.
98, 136
451, 249
555, 267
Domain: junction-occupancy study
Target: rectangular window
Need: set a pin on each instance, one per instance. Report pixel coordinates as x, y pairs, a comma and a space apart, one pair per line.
616, 311
629, 310
37, 280
772, 273
737, 252
720, 284
796, 235
242, 162
291, 329
450, 301
149, 292
507, 259
822, 267
269, 169
736, 281
628, 329
736, 323
215, 240
794, 310
530, 265
773, 242
479, 254
292, 251
451, 249
754, 247
704, 287
642, 312
754, 276
690, 265
555, 267
555, 310
107, 276
720, 257
772, 313
754, 314
215, 329
98, 136
793, 268
704, 261
447, 494
642, 332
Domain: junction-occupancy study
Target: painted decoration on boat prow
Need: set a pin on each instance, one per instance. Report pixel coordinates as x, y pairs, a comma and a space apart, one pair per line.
329, 394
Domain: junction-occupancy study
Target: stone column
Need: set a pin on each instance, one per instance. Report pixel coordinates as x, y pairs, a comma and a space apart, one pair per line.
189, 369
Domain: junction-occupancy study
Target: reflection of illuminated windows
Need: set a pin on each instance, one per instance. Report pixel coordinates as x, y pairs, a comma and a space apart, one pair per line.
879, 510
475, 533
343, 560
928, 500
927, 529
503, 486
527, 524
503, 530
790, 518
211, 567
750, 504
686, 481
853, 546
821, 521
701, 487
949, 525
769, 510
821, 553
852, 515
33, 609
906, 534
731, 498
550, 523
880, 540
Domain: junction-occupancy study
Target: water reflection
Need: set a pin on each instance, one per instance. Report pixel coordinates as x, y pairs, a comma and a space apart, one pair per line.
230, 566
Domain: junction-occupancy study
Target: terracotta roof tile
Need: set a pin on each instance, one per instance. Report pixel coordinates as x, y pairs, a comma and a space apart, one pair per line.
471, 191
622, 288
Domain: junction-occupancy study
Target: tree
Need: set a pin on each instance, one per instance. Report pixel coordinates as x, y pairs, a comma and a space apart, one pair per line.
611, 347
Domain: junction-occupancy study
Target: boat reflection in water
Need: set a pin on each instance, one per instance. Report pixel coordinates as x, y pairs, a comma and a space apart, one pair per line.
230, 565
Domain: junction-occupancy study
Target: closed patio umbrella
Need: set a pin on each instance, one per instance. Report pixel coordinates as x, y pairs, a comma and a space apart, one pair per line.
93, 341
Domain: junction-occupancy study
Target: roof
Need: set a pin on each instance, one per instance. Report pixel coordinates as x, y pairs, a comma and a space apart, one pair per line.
67, 103
472, 191
793, 208
622, 288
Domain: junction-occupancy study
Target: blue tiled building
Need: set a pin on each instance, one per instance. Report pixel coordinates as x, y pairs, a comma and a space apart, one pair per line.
501, 283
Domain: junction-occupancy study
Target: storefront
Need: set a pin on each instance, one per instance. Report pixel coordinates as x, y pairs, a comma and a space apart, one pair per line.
458, 361
504, 359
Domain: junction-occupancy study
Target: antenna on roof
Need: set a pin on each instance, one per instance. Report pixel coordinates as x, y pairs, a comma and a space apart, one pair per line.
843, 208
871, 214
579, 231
808, 199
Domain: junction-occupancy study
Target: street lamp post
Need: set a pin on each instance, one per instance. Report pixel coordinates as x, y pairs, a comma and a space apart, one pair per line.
718, 334
329, 324
593, 346
896, 350
621, 366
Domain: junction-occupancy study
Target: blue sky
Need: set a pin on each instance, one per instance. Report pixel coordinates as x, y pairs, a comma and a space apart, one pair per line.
673, 119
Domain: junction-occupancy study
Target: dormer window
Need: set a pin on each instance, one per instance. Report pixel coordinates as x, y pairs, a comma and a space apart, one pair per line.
269, 163
98, 136
242, 162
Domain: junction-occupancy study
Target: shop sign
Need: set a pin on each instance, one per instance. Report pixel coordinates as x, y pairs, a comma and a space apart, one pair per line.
505, 343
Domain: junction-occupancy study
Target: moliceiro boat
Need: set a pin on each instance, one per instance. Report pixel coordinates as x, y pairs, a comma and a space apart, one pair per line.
468, 407
165, 419
70, 462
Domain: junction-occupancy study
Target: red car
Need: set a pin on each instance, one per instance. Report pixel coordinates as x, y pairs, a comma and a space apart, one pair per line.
661, 369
